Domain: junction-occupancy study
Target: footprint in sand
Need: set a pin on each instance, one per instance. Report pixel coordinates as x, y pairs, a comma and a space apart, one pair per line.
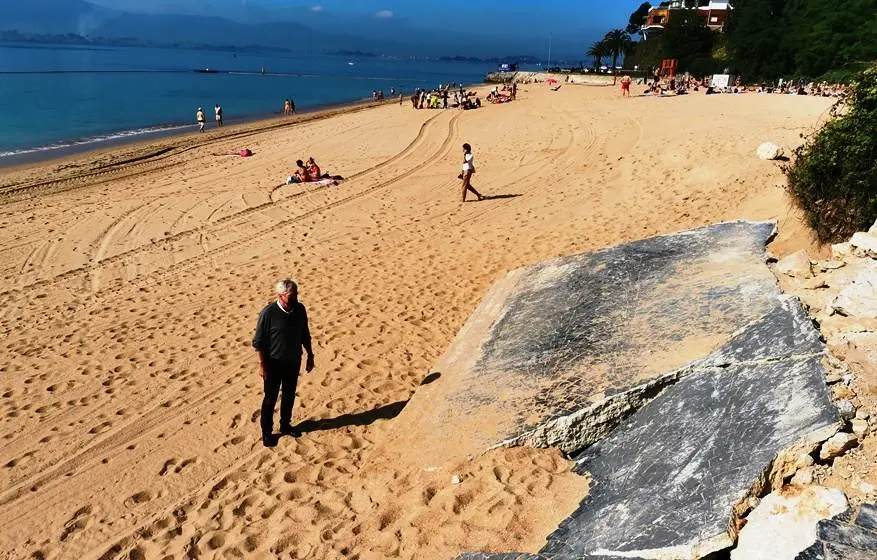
167, 466
185, 464
76, 523
138, 498
237, 440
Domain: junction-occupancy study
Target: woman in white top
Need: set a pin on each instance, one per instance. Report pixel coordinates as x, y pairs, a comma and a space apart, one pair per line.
468, 170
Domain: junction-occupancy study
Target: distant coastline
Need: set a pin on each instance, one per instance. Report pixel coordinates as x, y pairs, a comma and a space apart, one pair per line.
12, 38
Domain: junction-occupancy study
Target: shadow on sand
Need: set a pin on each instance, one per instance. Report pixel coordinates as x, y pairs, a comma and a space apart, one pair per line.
386, 412
499, 196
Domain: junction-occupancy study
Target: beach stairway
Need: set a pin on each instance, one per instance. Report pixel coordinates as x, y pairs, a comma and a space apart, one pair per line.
671, 370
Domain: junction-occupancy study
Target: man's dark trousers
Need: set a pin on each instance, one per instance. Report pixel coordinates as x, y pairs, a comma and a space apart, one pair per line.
280, 376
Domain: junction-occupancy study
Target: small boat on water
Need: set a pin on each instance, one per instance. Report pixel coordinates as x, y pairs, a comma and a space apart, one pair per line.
206, 71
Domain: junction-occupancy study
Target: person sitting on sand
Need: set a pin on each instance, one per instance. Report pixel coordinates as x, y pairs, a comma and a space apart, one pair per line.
301, 175
314, 169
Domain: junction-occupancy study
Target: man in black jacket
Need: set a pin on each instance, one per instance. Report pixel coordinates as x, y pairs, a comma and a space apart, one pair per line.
281, 333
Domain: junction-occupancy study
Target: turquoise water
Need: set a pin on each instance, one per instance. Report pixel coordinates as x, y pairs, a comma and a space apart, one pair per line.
53, 97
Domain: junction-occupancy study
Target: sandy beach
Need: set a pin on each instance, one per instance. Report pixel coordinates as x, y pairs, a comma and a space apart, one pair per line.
132, 279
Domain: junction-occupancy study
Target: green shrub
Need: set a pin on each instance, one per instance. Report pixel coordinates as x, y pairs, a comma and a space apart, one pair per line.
833, 176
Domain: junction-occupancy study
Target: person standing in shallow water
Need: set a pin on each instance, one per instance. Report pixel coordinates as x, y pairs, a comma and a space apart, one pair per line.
468, 170
281, 333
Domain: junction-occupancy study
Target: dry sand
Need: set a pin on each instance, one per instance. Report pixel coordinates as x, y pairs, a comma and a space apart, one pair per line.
129, 390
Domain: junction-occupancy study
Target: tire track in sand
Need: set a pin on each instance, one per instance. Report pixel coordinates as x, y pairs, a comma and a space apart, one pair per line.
159, 416
99, 258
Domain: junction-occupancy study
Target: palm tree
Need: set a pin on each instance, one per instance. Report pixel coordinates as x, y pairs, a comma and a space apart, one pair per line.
598, 50
618, 42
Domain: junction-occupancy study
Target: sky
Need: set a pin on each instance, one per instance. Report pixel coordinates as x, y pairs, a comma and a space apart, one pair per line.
571, 24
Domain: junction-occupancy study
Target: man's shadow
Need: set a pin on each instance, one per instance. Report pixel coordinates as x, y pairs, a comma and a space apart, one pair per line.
386, 412
499, 196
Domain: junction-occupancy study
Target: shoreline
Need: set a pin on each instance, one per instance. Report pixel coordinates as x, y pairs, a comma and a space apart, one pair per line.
152, 133
98, 145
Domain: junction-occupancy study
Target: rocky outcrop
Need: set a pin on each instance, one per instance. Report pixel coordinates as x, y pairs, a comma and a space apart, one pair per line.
704, 441
557, 354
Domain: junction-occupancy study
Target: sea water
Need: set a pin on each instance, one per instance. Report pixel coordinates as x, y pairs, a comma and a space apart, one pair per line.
53, 97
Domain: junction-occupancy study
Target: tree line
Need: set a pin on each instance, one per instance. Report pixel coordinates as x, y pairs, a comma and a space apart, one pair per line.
762, 40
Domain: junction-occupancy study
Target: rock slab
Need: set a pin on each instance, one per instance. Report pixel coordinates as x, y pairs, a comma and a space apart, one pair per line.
667, 482
559, 352
675, 362
841, 539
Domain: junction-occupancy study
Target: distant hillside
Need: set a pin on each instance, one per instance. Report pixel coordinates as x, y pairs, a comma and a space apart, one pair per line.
58, 17
308, 33
216, 31
52, 16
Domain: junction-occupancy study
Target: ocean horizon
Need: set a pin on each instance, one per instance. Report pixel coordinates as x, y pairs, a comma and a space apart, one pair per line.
56, 99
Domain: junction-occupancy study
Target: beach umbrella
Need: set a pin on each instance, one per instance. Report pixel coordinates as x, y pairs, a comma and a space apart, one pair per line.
551, 81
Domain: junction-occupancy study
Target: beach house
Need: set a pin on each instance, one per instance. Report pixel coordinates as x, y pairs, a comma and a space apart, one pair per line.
713, 12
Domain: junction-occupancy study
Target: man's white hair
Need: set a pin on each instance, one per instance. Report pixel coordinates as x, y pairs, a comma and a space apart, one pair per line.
283, 286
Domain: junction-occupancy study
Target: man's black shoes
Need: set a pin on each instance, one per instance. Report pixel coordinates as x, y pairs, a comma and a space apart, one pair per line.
270, 440
288, 430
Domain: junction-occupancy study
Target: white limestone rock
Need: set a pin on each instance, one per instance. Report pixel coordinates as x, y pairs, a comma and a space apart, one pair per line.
768, 151
865, 243
860, 427
804, 476
796, 265
841, 250
859, 298
785, 521
837, 445
814, 283
830, 265
846, 409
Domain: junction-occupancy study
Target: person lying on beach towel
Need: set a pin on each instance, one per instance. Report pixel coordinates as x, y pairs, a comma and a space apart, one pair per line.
243, 152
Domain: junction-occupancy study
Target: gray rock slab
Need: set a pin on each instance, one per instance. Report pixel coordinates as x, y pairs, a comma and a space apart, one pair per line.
844, 534
559, 352
867, 517
838, 539
667, 481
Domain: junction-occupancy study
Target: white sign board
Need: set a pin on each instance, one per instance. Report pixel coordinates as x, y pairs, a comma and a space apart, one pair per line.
721, 80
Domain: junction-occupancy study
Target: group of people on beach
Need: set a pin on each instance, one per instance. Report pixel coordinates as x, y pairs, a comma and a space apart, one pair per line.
309, 172
441, 98
201, 119
288, 107
506, 94
661, 86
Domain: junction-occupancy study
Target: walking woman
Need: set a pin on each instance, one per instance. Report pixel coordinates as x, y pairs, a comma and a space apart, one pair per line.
468, 170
